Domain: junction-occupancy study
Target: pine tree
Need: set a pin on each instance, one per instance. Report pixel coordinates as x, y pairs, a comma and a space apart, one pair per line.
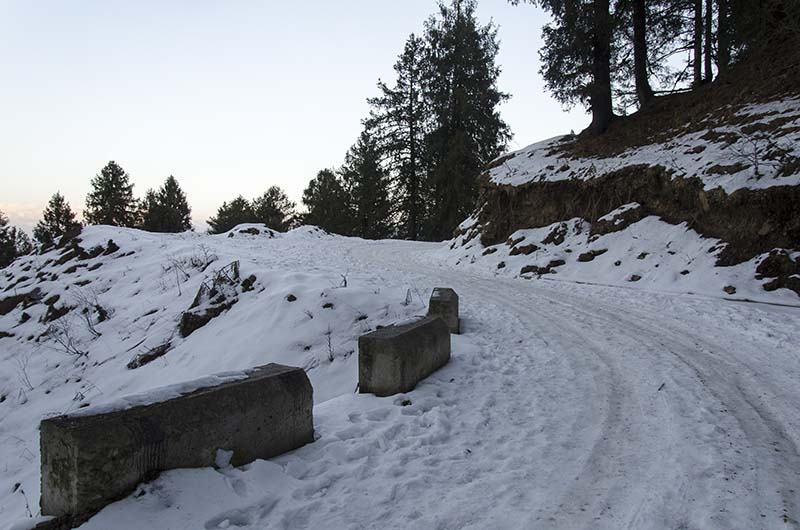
723, 37
697, 43
274, 209
367, 187
327, 203
111, 200
13, 242
8, 249
461, 90
644, 92
57, 219
230, 214
166, 210
398, 118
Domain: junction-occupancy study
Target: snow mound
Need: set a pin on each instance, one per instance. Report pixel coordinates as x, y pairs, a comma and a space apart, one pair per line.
100, 318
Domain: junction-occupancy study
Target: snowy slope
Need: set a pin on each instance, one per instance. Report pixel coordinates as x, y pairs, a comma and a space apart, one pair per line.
758, 148
564, 405
143, 288
648, 254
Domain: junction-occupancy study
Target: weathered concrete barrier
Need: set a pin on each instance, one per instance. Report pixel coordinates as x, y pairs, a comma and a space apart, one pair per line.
394, 359
444, 304
99, 454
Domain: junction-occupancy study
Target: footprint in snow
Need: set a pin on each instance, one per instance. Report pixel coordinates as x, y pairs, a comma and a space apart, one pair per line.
240, 517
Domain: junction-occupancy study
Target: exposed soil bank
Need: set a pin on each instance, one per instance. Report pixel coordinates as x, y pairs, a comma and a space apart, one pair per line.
750, 221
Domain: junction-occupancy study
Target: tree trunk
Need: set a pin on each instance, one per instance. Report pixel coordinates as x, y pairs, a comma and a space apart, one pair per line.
709, 14
413, 192
600, 95
643, 90
723, 37
698, 42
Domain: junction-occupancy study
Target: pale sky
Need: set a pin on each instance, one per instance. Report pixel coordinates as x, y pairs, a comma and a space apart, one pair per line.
230, 96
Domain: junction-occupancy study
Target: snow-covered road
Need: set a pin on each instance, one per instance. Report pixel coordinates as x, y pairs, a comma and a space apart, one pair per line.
565, 406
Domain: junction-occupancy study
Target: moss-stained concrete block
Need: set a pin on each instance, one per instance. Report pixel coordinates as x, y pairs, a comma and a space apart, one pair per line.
394, 359
99, 454
444, 304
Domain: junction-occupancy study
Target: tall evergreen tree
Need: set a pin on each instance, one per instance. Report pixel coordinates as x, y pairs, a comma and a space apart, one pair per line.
13, 242
111, 200
566, 55
367, 187
274, 209
600, 99
697, 40
576, 58
328, 204
8, 249
166, 210
230, 214
466, 130
723, 37
398, 117
57, 220
644, 92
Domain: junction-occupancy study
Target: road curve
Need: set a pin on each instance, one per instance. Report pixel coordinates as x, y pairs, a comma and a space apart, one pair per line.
564, 406
633, 410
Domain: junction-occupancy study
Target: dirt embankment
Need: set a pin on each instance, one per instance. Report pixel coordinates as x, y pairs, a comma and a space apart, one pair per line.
750, 221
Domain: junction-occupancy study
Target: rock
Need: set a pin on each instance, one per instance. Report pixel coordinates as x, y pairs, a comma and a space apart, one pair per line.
149, 356
730, 289
524, 250
548, 269
111, 247
777, 263
780, 266
556, 235
589, 256
247, 283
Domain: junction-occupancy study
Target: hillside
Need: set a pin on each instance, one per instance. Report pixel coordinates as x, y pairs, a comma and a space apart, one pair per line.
116, 312
563, 405
710, 206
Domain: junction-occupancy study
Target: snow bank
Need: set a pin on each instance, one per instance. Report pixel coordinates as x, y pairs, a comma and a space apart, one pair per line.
724, 157
648, 255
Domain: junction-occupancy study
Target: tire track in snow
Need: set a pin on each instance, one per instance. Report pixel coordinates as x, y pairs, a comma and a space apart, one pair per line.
774, 453
599, 424
701, 377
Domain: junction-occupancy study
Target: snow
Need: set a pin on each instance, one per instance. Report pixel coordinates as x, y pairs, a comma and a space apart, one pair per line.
159, 395
692, 154
145, 286
564, 405
613, 214
667, 258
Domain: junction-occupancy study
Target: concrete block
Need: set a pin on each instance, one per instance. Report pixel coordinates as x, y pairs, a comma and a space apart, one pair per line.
96, 455
394, 359
444, 304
